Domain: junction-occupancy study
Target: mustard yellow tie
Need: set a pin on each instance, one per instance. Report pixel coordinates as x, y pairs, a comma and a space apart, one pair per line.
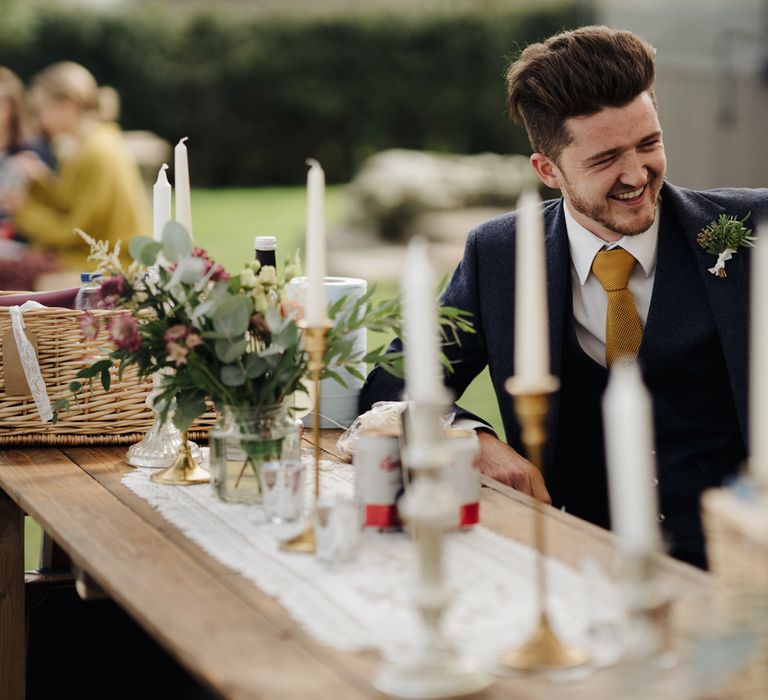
623, 330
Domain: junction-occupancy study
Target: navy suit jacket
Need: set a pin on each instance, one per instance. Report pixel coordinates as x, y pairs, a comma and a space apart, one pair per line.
483, 284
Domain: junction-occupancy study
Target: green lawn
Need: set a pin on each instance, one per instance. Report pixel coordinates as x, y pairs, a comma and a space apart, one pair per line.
225, 223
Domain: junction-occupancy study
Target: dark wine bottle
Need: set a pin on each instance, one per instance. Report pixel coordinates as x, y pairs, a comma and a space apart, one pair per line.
265, 248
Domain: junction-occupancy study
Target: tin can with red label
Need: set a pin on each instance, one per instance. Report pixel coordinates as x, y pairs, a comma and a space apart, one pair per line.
378, 478
464, 447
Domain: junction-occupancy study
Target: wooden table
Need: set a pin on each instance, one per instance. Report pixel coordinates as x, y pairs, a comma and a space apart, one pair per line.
233, 638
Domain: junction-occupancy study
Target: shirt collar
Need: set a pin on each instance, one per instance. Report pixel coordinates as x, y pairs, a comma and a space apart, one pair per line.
584, 245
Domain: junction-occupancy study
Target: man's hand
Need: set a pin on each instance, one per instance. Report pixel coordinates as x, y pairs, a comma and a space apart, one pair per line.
499, 461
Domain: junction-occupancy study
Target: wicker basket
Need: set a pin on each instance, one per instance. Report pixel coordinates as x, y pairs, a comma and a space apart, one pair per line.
737, 547
117, 417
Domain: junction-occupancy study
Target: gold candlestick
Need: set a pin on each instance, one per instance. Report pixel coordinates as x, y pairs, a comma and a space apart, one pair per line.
543, 650
315, 343
183, 471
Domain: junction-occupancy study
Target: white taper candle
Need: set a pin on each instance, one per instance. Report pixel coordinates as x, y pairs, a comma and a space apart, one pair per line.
161, 203
316, 308
628, 426
181, 183
423, 370
531, 318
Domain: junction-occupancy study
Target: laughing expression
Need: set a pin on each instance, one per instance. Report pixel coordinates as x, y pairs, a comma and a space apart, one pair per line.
613, 169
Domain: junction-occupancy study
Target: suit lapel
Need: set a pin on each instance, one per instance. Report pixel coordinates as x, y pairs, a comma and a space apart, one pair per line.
558, 295
728, 297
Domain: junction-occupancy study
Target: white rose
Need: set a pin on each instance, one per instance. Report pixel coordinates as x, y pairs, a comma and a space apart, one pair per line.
248, 278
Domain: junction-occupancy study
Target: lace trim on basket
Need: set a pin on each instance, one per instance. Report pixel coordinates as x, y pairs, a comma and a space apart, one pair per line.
29, 362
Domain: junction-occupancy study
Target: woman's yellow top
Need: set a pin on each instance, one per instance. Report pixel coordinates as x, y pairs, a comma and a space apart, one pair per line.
98, 190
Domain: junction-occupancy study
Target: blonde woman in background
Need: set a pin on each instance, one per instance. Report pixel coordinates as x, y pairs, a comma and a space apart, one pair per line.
20, 267
15, 138
97, 186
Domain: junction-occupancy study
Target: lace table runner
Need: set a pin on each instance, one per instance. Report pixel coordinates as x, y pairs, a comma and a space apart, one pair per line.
366, 603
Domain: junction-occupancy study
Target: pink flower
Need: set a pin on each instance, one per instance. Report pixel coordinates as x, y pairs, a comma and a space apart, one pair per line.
179, 340
89, 326
217, 271
177, 332
110, 291
177, 353
124, 333
193, 340
292, 308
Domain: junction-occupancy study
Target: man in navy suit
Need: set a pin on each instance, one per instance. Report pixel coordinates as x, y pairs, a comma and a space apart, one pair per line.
586, 99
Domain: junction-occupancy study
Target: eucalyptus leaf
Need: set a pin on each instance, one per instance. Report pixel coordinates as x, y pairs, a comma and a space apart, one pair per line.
215, 297
144, 250
289, 334
189, 405
232, 375
194, 270
255, 366
228, 350
177, 242
272, 350
232, 316
274, 319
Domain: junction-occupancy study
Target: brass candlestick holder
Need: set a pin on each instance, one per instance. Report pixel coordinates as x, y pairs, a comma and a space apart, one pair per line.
183, 471
315, 343
543, 650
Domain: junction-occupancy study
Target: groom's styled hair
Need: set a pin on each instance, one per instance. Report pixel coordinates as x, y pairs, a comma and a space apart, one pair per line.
573, 74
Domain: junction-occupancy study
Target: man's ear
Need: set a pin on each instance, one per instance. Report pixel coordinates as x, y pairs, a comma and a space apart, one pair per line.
547, 171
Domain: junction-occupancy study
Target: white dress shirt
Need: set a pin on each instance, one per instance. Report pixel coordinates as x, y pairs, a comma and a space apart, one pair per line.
590, 302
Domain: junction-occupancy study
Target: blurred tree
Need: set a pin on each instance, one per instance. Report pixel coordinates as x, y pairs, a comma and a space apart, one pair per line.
258, 93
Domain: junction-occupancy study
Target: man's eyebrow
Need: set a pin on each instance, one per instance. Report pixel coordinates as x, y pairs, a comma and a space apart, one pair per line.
615, 151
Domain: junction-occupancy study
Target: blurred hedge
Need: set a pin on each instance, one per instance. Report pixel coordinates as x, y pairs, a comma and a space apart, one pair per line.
257, 95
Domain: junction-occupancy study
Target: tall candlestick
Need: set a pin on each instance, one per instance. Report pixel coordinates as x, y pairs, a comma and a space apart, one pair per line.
628, 426
161, 203
316, 307
423, 370
758, 393
181, 182
531, 318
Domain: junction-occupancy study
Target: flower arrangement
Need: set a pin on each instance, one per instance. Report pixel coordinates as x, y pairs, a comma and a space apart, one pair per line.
231, 339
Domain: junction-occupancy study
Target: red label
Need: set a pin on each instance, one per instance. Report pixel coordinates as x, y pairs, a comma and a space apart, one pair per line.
381, 516
469, 514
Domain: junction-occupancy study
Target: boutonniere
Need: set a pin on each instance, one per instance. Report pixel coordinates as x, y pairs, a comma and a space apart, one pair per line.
723, 238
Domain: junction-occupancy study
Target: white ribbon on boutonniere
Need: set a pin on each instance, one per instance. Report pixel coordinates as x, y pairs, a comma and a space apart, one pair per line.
719, 268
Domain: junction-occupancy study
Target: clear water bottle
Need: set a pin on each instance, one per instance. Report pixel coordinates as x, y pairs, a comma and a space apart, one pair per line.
265, 248
88, 294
